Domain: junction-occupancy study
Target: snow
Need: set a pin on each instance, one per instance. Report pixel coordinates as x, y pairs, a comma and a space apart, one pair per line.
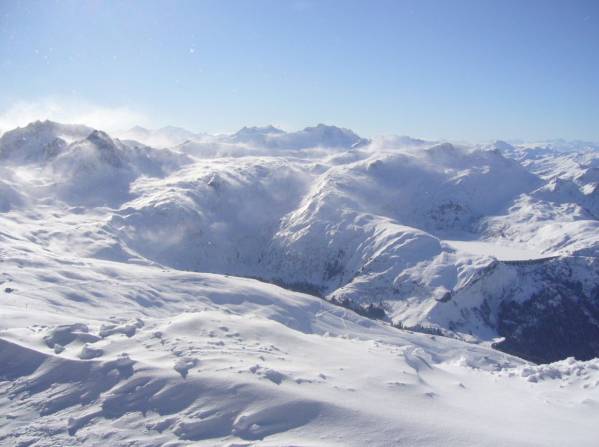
161, 138
499, 251
221, 361
140, 308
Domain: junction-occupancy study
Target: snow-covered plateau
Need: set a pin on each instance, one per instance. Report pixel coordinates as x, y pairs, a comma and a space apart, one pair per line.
309, 288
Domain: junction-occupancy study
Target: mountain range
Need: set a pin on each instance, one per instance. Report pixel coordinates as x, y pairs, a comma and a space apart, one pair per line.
266, 286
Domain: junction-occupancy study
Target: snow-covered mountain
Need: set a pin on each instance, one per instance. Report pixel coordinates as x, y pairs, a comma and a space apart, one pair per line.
39, 141
269, 140
317, 136
209, 293
79, 165
161, 138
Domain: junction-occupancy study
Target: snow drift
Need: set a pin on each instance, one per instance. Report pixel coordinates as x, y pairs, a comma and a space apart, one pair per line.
138, 289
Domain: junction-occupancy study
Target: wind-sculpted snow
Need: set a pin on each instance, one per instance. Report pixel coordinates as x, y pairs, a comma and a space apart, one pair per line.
9, 197
97, 352
127, 320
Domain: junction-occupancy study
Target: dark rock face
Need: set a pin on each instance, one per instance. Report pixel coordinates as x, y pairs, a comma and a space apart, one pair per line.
545, 309
556, 323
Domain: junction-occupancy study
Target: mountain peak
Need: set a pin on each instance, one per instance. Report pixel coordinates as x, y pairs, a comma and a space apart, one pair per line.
258, 130
139, 129
99, 137
39, 140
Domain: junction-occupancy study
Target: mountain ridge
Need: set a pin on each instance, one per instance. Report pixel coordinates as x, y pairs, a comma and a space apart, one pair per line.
147, 292
360, 224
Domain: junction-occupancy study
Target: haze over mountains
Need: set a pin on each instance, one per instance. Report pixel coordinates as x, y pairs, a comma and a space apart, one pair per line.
215, 288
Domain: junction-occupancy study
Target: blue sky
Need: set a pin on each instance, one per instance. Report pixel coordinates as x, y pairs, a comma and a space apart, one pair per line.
455, 69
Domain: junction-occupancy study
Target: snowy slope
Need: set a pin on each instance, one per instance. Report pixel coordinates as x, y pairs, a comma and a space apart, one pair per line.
214, 216
127, 320
97, 352
393, 222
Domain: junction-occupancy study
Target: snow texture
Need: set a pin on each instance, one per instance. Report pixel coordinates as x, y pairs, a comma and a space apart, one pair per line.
190, 295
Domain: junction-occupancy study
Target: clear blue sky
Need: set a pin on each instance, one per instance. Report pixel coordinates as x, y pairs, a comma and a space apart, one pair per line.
466, 69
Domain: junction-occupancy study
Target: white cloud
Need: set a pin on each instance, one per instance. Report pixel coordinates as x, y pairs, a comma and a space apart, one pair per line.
69, 111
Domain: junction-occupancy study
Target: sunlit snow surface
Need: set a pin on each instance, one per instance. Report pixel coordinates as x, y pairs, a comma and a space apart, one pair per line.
97, 352
496, 250
126, 320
